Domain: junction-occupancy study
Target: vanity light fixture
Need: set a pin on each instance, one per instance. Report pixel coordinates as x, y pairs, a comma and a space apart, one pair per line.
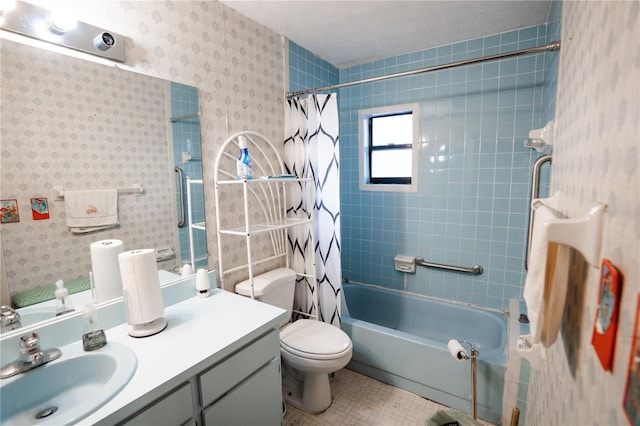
61, 28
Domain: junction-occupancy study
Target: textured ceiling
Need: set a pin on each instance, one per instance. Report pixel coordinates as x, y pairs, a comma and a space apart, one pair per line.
350, 32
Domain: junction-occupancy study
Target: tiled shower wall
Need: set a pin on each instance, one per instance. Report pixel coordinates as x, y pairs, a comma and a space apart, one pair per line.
474, 172
307, 71
474, 179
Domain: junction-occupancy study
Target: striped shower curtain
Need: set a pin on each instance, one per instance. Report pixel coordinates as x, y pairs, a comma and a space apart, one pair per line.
311, 150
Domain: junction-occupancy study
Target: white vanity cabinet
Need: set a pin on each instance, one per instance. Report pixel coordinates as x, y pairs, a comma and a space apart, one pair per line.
243, 388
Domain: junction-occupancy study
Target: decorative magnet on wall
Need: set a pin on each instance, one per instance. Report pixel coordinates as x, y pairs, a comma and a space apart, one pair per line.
9, 212
606, 323
631, 402
39, 208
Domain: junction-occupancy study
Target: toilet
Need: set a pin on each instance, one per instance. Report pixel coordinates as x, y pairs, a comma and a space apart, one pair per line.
310, 350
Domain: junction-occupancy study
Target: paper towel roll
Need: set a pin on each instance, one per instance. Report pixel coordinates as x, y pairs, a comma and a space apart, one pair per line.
141, 286
106, 269
456, 350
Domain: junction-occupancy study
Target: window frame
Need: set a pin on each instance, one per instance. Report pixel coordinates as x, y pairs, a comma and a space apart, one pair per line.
366, 183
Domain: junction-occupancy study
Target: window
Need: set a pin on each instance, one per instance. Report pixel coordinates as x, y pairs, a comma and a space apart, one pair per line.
388, 148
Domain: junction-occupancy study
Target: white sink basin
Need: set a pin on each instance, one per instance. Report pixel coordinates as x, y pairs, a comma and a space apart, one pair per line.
68, 389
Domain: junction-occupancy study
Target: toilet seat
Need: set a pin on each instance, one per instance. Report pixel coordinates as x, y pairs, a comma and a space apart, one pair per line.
314, 340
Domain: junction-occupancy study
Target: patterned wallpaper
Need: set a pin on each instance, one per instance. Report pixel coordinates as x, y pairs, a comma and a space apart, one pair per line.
596, 158
80, 125
237, 65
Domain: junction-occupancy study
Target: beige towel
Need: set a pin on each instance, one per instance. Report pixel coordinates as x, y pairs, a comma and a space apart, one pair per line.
555, 293
91, 210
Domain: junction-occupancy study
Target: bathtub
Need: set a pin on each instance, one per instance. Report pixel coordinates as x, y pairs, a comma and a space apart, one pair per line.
401, 339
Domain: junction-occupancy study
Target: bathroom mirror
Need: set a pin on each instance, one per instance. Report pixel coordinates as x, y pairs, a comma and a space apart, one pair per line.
76, 124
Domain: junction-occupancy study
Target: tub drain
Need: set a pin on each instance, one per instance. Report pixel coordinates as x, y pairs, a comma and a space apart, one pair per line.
43, 414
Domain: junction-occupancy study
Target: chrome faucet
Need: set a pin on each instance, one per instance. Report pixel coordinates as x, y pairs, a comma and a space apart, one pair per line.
31, 356
10, 318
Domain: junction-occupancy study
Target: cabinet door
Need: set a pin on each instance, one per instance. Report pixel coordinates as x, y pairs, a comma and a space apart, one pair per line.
224, 376
174, 409
257, 401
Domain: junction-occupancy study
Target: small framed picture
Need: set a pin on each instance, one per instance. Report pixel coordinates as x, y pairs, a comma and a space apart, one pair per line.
631, 401
39, 208
9, 212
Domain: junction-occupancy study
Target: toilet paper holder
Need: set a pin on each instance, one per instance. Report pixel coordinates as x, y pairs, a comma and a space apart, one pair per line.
458, 351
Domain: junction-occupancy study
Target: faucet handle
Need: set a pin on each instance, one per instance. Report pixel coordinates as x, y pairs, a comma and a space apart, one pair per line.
29, 343
9, 317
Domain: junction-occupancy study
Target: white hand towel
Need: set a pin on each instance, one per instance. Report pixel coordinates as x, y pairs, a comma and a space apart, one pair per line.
91, 210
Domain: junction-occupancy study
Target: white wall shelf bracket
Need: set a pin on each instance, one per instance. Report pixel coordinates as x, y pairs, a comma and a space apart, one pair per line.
582, 233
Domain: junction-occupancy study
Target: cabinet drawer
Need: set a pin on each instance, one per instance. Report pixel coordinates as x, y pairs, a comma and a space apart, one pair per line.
258, 401
224, 376
173, 409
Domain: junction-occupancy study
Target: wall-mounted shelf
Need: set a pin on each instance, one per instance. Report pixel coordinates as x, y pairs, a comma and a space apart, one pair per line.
583, 233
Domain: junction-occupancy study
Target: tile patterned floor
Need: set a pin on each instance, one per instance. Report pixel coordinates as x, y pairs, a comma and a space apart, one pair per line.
362, 401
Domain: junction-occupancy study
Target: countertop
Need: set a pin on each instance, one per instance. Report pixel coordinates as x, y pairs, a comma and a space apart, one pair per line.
199, 331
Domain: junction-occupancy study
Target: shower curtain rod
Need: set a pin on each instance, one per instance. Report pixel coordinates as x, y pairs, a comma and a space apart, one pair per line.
554, 45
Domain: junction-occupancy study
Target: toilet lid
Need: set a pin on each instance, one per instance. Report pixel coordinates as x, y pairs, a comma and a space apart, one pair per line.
314, 338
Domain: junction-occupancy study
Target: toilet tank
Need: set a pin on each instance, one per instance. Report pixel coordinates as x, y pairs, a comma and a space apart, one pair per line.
274, 287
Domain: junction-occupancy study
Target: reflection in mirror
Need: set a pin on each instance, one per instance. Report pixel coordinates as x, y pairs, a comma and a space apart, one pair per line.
79, 125
187, 160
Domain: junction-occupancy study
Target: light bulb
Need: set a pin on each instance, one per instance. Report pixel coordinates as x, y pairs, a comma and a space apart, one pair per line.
7, 5
61, 22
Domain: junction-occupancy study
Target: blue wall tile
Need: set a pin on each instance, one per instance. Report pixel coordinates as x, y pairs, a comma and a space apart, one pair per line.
474, 177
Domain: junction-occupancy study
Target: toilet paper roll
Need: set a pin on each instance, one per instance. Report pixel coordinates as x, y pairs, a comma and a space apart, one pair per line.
456, 350
141, 286
106, 269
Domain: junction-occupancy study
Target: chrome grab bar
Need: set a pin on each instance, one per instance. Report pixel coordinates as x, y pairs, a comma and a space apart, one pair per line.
184, 117
475, 269
178, 170
535, 193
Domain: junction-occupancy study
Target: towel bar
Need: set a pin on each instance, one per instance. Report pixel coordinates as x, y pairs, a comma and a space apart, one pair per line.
136, 188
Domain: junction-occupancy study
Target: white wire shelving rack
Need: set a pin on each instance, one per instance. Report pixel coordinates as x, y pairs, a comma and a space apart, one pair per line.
265, 203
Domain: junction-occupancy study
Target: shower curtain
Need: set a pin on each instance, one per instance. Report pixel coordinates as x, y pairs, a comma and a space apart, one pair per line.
311, 150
